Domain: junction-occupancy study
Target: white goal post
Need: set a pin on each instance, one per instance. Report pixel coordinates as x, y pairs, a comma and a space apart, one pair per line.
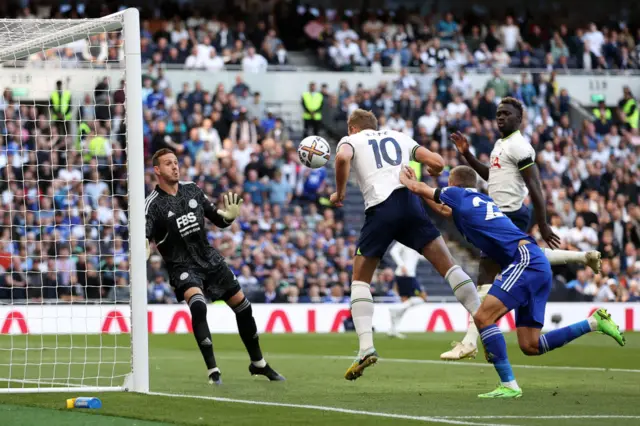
43, 306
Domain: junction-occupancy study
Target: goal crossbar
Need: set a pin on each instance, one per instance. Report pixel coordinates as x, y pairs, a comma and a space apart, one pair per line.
75, 30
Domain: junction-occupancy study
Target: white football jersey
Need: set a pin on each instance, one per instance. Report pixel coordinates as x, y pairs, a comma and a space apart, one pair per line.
377, 161
506, 185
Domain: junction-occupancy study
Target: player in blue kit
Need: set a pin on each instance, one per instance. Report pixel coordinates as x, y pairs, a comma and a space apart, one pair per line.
523, 285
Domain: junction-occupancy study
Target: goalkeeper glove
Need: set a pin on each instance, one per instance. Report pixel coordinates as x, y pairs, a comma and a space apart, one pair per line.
231, 209
148, 250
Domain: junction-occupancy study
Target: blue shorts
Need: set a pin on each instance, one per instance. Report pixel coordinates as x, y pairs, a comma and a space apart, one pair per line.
524, 286
521, 218
408, 287
401, 217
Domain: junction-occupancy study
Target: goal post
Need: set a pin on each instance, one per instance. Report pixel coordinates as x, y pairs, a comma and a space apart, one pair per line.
72, 187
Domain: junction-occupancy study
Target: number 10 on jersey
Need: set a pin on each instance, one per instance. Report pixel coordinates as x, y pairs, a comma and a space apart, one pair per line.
381, 148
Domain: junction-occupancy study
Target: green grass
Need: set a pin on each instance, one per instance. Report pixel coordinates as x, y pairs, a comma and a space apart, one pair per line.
314, 366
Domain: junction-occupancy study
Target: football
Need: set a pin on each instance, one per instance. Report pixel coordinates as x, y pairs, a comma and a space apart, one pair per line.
314, 152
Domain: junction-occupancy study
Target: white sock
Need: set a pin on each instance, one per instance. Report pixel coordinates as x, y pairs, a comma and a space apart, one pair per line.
512, 384
562, 257
212, 370
463, 288
260, 364
593, 324
471, 338
362, 313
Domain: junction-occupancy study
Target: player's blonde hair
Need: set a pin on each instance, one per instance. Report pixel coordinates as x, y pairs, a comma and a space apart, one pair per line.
362, 120
463, 176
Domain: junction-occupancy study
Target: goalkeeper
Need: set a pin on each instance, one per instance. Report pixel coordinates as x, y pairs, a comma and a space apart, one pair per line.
175, 213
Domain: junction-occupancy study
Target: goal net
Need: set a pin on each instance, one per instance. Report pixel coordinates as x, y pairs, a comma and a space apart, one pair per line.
72, 257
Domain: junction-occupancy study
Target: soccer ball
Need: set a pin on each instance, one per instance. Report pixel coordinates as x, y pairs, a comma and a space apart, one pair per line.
314, 152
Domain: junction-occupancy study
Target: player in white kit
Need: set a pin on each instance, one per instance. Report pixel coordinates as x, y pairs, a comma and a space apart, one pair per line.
409, 289
392, 212
512, 174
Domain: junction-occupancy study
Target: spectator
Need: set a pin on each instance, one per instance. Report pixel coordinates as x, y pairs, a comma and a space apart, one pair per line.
280, 192
254, 62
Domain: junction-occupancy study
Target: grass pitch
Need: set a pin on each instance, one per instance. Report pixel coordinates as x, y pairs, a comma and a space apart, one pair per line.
591, 381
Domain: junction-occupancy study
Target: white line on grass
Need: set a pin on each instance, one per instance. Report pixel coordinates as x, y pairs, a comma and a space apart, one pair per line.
442, 420
438, 362
570, 416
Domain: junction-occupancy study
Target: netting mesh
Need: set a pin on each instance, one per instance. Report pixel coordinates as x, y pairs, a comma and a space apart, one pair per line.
64, 259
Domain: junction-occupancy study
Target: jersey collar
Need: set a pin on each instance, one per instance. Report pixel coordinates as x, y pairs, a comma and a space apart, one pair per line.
512, 134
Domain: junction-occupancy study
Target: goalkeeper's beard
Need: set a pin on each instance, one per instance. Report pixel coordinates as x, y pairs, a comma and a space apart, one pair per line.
170, 180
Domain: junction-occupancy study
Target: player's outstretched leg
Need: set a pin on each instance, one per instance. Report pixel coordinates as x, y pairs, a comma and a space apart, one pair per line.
562, 257
249, 335
496, 348
198, 308
600, 322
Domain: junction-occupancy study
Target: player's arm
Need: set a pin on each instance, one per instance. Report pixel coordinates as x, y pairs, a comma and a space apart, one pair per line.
408, 178
531, 176
441, 209
343, 165
462, 144
435, 198
433, 160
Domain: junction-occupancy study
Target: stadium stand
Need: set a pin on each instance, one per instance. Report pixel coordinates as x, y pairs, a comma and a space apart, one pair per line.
290, 244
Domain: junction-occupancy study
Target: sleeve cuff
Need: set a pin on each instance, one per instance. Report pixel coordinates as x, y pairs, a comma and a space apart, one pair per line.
527, 162
412, 157
436, 195
347, 143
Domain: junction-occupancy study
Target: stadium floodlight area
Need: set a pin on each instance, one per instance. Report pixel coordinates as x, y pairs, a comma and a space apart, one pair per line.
77, 166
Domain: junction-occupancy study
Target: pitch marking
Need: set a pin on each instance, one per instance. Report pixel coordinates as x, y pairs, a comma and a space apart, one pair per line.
331, 409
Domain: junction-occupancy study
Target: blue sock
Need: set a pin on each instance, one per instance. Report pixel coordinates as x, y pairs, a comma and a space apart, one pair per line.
496, 348
560, 337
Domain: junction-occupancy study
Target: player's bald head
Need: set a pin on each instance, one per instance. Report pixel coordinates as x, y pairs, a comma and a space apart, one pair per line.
464, 177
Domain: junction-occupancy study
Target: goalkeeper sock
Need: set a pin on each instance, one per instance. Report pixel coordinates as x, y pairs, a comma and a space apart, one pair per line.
198, 308
496, 349
563, 257
362, 313
471, 338
249, 332
463, 288
560, 337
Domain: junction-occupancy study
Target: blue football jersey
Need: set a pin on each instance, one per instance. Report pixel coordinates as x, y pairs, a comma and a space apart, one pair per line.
482, 223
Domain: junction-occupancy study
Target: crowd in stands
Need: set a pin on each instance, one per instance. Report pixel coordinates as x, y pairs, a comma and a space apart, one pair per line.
590, 172
442, 40
64, 222
195, 43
